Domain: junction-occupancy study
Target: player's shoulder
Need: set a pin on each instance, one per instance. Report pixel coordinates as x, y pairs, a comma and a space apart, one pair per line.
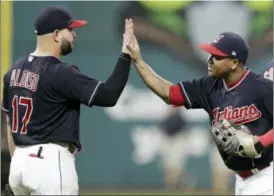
19, 61
65, 68
259, 78
46, 63
207, 80
49, 61
17, 64
50, 64
260, 82
211, 81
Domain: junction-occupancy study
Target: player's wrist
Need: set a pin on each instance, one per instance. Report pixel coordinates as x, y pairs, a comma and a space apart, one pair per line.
125, 50
266, 139
259, 147
125, 56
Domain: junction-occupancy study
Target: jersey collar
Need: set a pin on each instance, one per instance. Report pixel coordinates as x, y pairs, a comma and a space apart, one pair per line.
238, 82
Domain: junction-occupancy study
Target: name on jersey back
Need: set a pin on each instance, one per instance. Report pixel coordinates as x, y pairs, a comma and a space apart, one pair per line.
28, 80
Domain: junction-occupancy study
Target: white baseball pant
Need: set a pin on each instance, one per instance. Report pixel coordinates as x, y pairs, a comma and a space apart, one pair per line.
54, 173
260, 183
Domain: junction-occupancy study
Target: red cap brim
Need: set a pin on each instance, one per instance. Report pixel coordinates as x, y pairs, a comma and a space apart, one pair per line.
212, 49
77, 23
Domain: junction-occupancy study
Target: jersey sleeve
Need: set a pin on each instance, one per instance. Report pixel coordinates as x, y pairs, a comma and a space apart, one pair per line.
5, 101
74, 85
196, 92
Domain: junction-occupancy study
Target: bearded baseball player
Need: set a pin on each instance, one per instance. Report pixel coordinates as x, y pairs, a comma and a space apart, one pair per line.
42, 97
239, 103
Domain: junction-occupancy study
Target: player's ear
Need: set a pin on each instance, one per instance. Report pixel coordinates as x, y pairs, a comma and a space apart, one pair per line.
235, 64
56, 36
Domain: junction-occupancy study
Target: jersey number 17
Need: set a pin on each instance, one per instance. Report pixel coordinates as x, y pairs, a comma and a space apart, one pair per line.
23, 101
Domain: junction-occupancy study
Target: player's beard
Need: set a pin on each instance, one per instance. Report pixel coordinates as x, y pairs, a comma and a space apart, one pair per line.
66, 47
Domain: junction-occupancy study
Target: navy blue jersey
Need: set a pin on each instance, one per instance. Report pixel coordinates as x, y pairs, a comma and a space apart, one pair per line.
248, 102
42, 97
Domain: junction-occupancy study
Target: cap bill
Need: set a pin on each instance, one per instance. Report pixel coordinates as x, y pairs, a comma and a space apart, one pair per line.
212, 49
77, 23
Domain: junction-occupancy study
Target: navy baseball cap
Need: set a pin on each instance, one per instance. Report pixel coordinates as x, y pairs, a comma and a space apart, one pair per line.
228, 44
55, 18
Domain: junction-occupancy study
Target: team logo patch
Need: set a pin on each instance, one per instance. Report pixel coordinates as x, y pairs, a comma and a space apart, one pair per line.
239, 115
218, 38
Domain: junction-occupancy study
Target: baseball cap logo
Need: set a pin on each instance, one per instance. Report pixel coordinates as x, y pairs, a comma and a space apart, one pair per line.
218, 38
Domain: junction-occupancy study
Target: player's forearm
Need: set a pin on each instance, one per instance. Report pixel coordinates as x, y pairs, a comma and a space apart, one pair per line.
267, 139
109, 92
11, 144
156, 83
263, 141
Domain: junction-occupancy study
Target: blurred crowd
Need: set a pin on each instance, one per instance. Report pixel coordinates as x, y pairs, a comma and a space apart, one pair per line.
176, 139
179, 26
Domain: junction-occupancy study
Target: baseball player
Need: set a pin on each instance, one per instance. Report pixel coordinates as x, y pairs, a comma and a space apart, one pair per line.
267, 139
239, 103
42, 97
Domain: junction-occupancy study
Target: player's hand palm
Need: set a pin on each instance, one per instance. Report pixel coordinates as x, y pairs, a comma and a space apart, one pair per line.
135, 52
130, 43
128, 35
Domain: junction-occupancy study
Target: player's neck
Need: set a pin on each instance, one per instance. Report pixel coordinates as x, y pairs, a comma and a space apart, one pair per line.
235, 76
46, 49
39, 52
43, 54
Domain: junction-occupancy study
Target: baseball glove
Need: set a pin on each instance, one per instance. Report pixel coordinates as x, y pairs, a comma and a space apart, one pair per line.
235, 139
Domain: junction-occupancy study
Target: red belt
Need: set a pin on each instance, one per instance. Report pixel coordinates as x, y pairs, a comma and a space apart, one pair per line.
250, 172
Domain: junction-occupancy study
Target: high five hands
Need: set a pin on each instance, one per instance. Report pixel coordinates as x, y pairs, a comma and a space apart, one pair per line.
130, 43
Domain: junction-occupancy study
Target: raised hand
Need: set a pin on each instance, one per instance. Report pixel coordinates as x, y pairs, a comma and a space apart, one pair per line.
135, 51
128, 36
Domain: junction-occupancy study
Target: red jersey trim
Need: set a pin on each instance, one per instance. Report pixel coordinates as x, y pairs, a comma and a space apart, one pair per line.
176, 97
187, 104
238, 82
